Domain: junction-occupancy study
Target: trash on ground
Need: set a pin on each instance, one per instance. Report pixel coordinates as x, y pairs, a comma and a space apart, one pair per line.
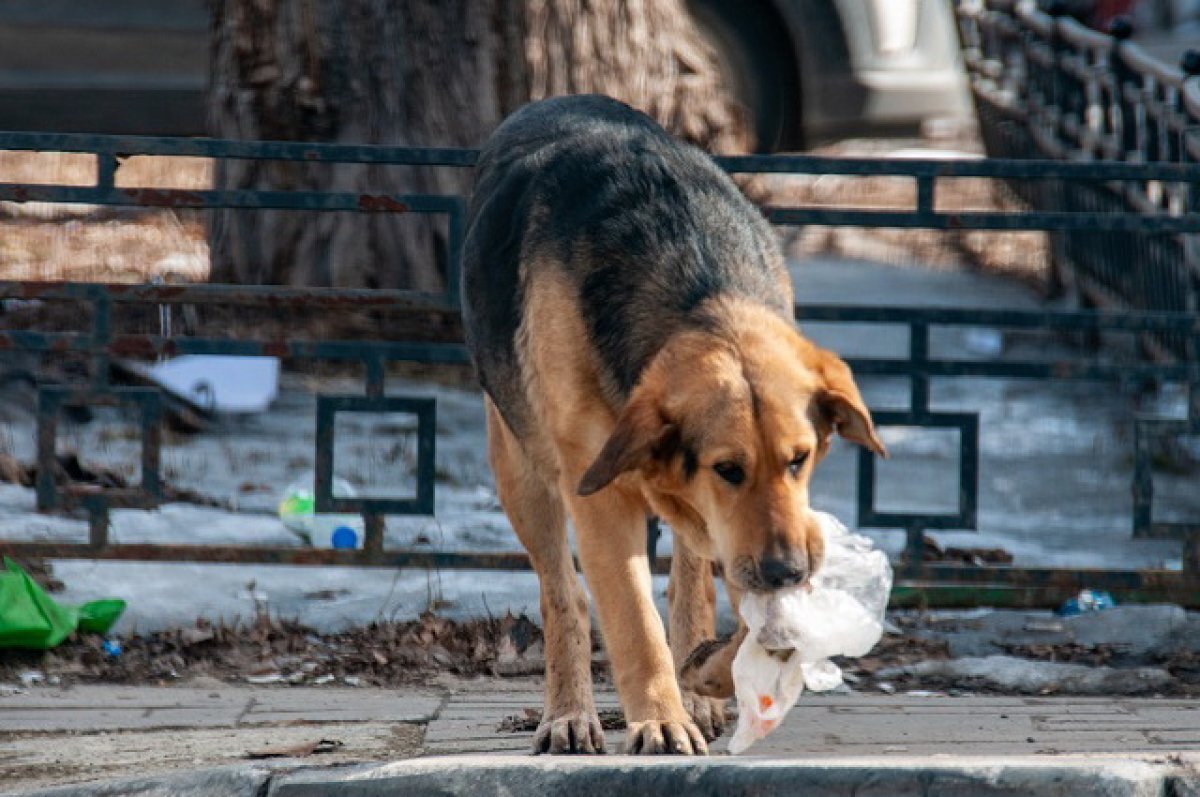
30, 618
38, 568
302, 750
297, 510
221, 383
793, 633
32, 677
1088, 600
180, 413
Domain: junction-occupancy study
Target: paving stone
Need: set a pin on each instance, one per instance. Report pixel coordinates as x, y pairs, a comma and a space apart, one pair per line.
818, 733
874, 725
85, 708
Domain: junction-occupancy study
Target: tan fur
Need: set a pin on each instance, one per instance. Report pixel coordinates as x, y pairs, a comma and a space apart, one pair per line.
759, 395
692, 603
708, 669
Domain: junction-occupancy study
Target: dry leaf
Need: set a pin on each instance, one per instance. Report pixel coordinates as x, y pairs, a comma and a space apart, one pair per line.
301, 750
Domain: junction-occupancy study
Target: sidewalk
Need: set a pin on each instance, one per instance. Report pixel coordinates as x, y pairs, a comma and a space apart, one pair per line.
53, 737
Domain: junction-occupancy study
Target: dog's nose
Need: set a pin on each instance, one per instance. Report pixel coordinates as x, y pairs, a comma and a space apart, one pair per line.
780, 573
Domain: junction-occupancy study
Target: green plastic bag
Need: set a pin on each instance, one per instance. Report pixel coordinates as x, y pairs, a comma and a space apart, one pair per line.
29, 618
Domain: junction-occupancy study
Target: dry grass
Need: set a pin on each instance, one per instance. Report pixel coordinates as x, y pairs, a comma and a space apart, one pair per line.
108, 250
89, 243
65, 168
1020, 255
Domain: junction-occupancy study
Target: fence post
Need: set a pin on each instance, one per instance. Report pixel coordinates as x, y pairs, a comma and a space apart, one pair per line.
1121, 29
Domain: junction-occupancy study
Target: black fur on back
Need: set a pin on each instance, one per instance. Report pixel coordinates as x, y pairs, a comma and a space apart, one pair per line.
644, 227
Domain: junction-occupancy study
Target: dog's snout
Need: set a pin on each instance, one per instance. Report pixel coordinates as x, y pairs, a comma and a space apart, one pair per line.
777, 573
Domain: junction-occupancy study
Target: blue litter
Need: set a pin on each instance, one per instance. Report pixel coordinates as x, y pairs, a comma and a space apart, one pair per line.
344, 537
1088, 600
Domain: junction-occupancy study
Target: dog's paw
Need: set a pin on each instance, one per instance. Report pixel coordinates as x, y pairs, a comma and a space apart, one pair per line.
576, 732
707, 712
708, 670
653, 737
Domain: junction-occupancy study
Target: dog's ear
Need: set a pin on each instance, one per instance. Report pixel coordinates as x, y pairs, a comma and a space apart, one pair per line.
641, 433
842, 405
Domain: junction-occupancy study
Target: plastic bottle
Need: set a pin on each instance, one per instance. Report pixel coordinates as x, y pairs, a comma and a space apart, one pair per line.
297, 510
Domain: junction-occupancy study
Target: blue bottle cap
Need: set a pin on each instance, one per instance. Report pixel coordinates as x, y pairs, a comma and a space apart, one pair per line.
344, 537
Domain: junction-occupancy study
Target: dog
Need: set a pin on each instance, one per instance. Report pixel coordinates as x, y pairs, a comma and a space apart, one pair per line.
630, 319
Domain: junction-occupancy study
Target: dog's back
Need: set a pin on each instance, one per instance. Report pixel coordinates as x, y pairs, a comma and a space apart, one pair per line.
642, 227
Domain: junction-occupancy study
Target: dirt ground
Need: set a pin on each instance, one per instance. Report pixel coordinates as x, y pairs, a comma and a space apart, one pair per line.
423, 651
392, 654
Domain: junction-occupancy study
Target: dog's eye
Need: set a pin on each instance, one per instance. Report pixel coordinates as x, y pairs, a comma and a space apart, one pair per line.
797, 463
730, 472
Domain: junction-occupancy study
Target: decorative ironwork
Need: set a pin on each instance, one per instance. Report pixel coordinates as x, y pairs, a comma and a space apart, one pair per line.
1178, 326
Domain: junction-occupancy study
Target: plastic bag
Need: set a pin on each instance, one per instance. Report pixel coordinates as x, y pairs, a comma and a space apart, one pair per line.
29, 618
792, 633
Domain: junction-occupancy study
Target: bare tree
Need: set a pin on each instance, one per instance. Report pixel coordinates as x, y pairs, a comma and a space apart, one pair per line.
423, 73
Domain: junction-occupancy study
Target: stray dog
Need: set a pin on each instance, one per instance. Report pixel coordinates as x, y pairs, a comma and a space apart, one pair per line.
630, 319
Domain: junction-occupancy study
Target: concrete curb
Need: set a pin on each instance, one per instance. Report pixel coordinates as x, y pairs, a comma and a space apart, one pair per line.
950, 776
244, 779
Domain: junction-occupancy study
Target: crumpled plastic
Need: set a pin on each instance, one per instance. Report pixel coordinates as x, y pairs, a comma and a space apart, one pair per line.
792, 633
31, 619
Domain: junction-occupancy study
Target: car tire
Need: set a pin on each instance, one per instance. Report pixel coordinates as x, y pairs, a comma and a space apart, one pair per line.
757, 60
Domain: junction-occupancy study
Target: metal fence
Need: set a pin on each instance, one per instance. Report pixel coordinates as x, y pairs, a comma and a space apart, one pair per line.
1049, 87
917, 583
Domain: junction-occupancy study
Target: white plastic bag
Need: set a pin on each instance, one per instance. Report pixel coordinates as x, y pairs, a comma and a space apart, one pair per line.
793, 632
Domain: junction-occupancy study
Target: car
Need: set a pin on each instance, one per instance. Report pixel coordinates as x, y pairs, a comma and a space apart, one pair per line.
810, 71
807, 70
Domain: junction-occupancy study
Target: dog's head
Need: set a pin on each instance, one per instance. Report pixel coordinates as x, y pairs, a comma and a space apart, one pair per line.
724, 428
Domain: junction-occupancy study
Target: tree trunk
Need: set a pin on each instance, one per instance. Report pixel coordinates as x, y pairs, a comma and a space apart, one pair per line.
422, 73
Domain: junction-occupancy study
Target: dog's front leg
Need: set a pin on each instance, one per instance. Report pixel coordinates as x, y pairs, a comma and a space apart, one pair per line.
708, 668
692, 596
611, 535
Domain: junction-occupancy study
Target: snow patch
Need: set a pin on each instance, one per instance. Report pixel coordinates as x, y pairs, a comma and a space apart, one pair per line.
1010, 674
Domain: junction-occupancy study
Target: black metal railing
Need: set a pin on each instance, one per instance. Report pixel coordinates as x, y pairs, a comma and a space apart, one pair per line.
1048, 87
944, 584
